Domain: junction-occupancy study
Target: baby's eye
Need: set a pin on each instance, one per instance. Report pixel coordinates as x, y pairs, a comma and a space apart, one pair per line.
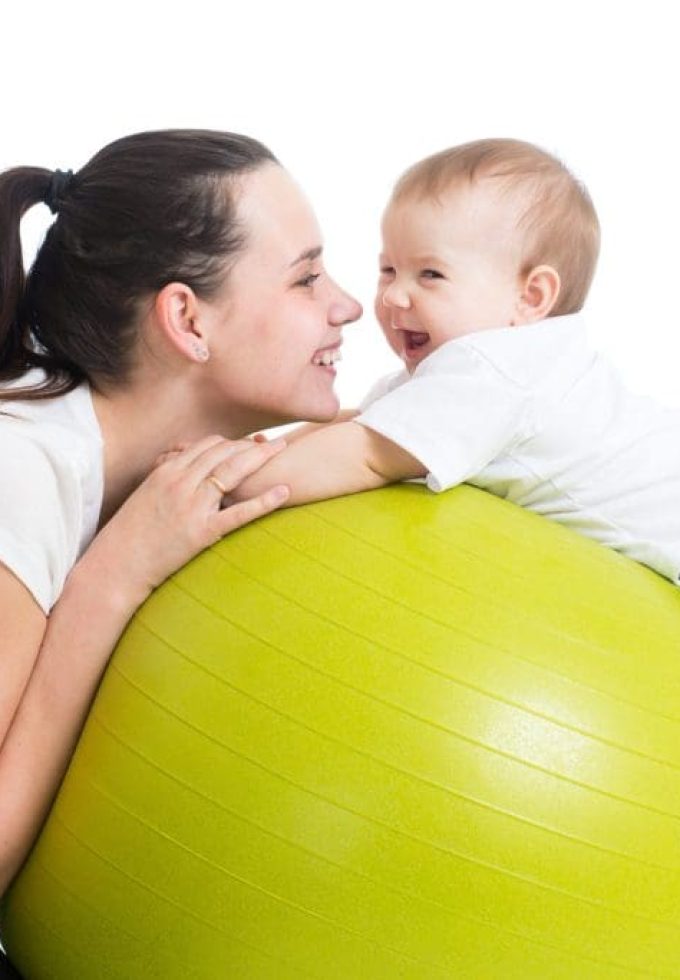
431, 274
309, 280
386, 270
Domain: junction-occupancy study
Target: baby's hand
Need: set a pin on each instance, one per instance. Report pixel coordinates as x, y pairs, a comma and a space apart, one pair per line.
178, 511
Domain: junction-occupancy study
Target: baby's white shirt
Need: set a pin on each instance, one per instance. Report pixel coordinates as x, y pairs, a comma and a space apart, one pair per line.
536, 416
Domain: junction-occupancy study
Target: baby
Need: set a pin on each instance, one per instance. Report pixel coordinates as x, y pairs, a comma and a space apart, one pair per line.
489, 250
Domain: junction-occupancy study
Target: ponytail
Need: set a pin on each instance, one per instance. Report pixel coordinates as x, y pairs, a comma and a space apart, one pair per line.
20, 189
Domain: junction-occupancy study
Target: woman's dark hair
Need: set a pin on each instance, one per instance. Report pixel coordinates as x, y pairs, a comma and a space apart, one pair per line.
147, 210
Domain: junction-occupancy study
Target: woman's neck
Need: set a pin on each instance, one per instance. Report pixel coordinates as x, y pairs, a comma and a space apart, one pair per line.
141, 422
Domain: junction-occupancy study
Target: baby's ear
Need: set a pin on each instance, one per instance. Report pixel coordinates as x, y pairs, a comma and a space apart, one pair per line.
539, 293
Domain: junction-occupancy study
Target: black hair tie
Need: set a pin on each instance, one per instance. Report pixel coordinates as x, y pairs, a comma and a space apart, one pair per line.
58, 186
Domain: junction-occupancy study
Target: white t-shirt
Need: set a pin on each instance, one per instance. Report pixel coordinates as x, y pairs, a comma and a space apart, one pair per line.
534, 415
51, 486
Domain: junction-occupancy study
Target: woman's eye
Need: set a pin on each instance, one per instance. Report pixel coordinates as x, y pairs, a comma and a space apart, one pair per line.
431, 274
308, 280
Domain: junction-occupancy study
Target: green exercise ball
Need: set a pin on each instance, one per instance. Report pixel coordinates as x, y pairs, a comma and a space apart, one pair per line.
396, 736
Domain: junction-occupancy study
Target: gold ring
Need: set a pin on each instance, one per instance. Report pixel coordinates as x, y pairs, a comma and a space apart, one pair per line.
217, 483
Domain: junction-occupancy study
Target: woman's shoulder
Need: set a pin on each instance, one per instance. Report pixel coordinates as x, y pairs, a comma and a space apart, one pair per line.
36, 501
64, 427
73, 410
51, 482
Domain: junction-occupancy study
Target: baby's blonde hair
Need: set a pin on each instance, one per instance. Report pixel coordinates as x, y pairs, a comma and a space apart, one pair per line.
558, 218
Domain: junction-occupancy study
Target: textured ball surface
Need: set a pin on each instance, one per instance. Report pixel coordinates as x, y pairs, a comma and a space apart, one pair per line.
387, 736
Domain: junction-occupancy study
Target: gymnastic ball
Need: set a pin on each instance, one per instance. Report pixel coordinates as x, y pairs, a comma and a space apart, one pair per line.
388, 736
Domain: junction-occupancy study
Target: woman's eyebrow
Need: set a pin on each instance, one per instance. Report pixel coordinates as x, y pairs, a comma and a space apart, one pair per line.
308, 255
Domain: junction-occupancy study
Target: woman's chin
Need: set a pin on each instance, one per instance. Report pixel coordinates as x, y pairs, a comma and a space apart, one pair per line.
322, 415
321, 409
308, 411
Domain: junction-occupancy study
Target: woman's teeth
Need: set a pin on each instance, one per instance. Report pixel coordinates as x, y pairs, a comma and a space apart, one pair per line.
327, 357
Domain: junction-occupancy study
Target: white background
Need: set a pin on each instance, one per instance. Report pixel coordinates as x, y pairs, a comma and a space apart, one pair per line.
349, 94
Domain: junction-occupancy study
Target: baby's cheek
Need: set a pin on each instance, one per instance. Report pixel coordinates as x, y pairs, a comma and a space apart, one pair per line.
379, 309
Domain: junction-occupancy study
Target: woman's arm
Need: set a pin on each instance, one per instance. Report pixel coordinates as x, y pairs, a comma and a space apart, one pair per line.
50, 713
23, 625
172, 516
333, 460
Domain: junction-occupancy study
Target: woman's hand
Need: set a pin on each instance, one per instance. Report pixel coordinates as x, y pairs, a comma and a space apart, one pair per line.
179, 510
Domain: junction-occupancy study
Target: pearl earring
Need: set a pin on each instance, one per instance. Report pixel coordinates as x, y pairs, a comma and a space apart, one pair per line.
202, 353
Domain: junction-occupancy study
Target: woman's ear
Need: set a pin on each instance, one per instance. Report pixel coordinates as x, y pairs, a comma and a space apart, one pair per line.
176, 314
539, 294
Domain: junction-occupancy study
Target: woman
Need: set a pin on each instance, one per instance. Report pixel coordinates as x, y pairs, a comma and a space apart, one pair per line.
178, 303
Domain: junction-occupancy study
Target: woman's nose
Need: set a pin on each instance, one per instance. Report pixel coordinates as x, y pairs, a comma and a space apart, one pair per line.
344, 310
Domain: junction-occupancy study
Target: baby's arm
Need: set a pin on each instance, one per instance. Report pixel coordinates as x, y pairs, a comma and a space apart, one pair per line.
333, 460
303, 430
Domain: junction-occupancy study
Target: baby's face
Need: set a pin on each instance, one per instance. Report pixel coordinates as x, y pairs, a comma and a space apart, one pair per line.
447, 268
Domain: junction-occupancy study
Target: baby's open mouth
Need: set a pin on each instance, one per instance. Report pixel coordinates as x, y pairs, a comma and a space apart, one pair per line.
415, 340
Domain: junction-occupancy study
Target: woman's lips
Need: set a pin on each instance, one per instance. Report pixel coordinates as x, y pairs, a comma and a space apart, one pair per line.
327, 357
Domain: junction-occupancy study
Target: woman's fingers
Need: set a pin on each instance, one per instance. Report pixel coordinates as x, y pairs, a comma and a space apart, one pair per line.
237, 515
240, 463
169, 454
204, 457
198, 459
213, 463
190, 452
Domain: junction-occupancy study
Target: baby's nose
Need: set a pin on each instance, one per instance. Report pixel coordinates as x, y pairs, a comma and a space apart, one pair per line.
396, 295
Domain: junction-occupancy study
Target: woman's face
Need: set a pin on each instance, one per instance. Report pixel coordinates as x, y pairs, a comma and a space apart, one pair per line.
280, 314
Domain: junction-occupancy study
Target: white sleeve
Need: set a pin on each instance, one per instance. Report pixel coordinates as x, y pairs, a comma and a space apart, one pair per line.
455, 414
34, 543
381, 387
